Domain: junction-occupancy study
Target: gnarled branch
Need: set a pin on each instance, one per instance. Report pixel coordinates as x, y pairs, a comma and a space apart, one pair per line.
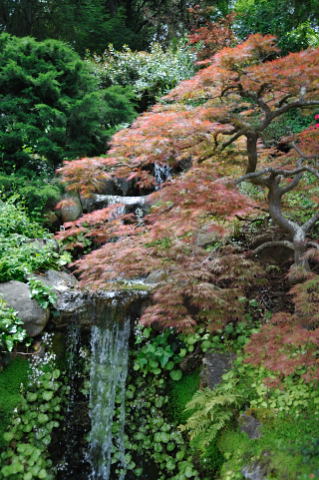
274, 243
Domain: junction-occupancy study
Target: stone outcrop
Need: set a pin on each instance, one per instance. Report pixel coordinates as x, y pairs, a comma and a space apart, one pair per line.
250, 425
71, 209
215, 365
84, 306
257, 471
17, 295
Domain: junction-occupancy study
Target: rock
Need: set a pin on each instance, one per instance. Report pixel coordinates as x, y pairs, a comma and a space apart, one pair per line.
59, 281
80, 305
215, 365
17, 295
206, 237
71, 208
108, 187
254, 472
249, 425
155, 277
191, 362
65, 285
125, 186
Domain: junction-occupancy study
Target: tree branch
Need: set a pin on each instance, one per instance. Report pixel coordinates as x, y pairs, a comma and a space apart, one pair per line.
313, 244
232, 139
274, 243
253, 175
292, 184
310, 223
303, 155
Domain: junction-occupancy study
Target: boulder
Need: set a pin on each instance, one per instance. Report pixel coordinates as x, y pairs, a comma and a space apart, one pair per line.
250, 425
256, 471
71, 208
65, 285
156, 276
206, 236
215, 365
59, 281
18, 296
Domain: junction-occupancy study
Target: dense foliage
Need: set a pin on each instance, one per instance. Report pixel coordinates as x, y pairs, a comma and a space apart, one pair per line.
222, 165
25, 246
149, 74
38, 193
50, 106
294, 22
11, 328
92, 24
212, 126
36, 415
236, 97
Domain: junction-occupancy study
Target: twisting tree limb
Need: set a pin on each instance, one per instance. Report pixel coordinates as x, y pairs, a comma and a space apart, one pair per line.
274, 243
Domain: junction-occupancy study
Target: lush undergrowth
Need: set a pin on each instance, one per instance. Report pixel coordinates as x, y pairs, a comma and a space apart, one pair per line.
12, 377
25, 246
29, 426
38, 192
169, 419
180, 393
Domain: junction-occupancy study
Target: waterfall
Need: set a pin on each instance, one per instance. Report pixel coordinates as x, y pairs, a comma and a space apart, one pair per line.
107, 393
161, 174
120, 207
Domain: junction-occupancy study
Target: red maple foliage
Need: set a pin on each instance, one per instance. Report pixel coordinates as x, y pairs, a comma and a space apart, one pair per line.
289, 343
208, 37
208, 131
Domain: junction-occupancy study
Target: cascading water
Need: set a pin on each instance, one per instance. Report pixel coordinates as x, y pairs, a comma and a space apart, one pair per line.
161, 174
107, 393
119, 209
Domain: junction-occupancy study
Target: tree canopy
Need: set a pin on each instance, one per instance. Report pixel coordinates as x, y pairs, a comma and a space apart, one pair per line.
294, 22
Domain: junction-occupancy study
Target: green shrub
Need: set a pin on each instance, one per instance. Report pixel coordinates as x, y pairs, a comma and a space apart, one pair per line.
37, 192
44, 295
211, 411
150, 74
294, 23
180, 393
293, 121
51, 108
25, 246
11, 329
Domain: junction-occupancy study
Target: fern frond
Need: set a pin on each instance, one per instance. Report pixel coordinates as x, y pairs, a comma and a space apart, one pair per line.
211, 411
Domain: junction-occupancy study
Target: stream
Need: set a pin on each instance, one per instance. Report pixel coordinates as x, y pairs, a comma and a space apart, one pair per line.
107, 394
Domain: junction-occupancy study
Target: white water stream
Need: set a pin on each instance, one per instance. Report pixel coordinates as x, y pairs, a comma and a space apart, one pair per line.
108, 376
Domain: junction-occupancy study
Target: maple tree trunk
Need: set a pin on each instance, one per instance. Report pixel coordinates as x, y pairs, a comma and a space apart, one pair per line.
297, 233
300, 247
252, 152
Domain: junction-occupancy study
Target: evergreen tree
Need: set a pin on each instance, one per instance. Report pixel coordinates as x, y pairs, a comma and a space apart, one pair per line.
50, 106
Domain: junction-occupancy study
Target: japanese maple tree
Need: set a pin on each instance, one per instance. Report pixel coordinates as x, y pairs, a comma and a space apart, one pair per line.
209, 132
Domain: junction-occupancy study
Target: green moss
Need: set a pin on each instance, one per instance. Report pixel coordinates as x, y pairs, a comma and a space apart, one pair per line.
181, 393
233, 441
10, 381
289, 448
295, 445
